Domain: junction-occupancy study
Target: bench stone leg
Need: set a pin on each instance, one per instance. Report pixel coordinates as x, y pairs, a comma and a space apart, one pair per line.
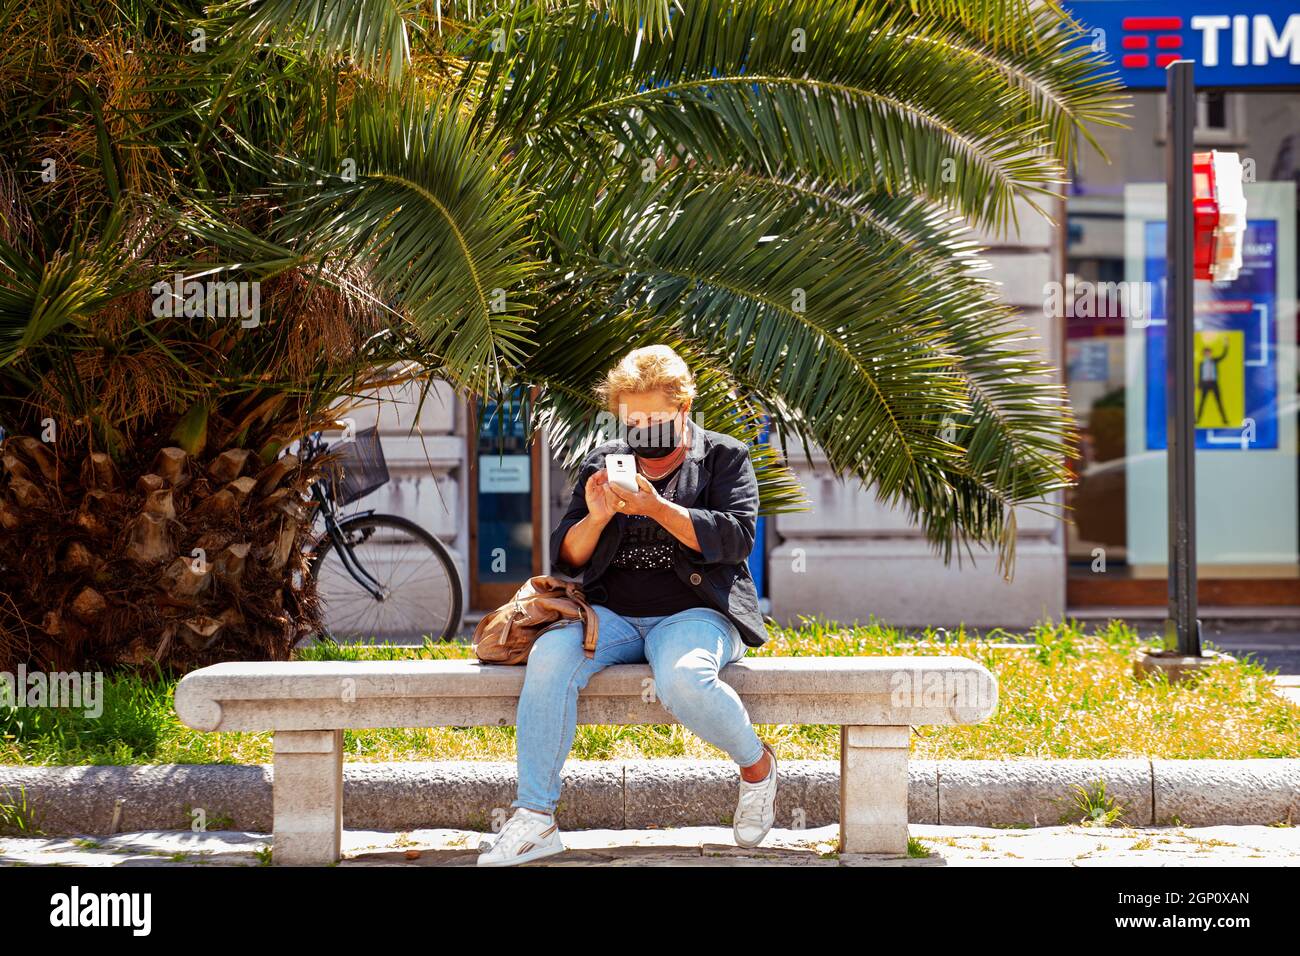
873, 789
307, 798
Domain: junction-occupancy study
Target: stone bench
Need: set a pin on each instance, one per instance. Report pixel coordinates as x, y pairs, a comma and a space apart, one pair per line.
308, 704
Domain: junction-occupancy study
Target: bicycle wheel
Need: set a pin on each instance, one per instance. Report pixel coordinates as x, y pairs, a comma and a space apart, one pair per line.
422, 584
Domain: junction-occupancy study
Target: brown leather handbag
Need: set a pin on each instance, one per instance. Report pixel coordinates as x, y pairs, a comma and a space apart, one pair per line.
506, 635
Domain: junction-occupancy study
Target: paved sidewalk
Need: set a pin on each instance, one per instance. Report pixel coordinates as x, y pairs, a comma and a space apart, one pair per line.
704, 846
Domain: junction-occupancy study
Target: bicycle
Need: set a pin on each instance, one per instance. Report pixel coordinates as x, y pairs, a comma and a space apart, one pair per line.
357, 561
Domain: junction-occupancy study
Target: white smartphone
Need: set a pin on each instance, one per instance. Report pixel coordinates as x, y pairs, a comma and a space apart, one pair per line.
622, 471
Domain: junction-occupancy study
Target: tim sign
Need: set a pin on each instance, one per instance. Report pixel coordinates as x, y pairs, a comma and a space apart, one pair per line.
1233, 44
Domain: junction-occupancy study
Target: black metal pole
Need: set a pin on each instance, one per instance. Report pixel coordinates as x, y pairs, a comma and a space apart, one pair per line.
1180, 328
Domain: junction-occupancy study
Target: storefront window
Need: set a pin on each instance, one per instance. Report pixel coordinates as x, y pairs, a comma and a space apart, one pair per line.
1247, 503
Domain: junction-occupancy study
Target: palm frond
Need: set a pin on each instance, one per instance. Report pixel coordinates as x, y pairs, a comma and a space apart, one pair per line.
371, 33
436, 218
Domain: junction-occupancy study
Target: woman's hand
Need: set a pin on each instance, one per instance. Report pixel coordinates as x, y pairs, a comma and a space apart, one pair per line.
644, 502
601, 502
580, 541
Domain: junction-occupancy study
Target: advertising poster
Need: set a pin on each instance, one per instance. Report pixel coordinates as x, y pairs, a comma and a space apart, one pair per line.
1236, 347
1243, 395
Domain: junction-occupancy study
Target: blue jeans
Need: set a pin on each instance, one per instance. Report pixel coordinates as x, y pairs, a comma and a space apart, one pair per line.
685, 651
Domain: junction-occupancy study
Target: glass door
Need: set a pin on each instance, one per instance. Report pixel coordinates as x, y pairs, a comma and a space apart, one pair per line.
505, 502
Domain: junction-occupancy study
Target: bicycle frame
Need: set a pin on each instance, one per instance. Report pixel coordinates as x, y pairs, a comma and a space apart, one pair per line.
335, 531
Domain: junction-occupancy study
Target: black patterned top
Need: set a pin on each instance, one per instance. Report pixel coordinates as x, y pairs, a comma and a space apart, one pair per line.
640, 580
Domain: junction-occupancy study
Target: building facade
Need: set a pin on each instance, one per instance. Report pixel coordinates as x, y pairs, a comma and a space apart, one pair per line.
850, 558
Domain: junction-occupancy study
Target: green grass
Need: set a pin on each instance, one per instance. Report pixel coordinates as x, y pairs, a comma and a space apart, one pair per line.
917, 849
1069, 695
15, 816
1093, 807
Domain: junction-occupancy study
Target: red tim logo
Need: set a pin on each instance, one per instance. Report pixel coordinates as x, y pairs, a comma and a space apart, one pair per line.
1144, 34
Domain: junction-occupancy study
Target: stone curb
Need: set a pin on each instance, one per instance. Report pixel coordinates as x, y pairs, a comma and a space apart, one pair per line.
640, 794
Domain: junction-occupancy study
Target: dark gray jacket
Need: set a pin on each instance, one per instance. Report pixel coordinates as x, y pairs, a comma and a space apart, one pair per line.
717, 486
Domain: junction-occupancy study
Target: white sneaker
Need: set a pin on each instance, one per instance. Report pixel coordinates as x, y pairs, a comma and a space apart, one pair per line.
526, 836
756, 808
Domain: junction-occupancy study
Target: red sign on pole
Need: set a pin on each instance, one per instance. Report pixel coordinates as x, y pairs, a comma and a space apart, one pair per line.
1219, 214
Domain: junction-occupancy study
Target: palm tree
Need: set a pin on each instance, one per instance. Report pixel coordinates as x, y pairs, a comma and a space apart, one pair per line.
496, 195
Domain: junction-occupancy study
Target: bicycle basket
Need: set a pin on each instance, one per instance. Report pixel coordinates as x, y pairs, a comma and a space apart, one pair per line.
357, 468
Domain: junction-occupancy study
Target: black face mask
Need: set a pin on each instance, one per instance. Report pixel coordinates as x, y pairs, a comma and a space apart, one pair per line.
654, 441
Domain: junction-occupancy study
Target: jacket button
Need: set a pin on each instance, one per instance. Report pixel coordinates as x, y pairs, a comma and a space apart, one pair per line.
695, 577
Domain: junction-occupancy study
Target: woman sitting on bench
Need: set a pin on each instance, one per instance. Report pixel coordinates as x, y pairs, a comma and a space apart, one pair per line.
665, 568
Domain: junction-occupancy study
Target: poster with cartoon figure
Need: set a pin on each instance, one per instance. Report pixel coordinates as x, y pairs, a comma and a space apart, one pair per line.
1220, 380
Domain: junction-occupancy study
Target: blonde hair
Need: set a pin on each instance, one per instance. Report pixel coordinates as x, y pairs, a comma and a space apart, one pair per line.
654, 367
